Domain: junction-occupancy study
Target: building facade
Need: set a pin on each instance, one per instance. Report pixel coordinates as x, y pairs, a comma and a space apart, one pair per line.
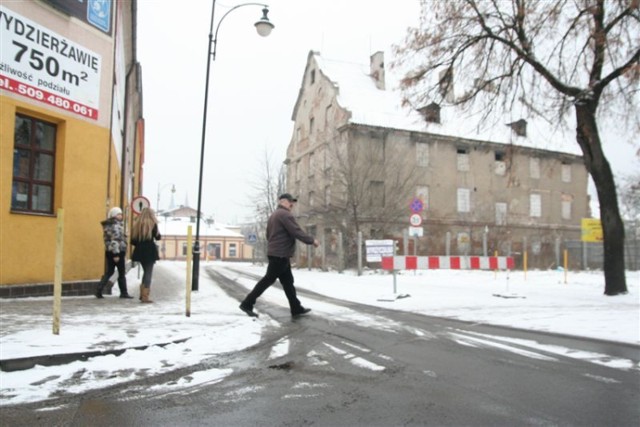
218, 242
72, 140
359, 162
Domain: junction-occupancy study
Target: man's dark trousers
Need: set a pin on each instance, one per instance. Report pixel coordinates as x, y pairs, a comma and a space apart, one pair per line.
278, 268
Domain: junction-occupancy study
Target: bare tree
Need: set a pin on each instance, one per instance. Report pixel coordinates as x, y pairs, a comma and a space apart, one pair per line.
553, 57
371, 184
630, 198
268, 184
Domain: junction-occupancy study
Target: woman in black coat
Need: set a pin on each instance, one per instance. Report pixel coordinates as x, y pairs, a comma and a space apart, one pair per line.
144, 234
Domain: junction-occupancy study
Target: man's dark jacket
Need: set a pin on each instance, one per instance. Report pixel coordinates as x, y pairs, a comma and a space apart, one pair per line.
282, 232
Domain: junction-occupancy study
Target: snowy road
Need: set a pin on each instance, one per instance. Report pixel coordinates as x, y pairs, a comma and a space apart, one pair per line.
359, 365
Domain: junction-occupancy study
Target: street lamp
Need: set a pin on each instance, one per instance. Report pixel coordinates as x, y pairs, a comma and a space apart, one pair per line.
264, 27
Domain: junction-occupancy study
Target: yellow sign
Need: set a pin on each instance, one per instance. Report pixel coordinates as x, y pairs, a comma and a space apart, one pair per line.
591, 230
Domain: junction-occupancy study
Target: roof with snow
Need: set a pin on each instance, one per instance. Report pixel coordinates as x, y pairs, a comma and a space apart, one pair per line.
177, 226
371, 106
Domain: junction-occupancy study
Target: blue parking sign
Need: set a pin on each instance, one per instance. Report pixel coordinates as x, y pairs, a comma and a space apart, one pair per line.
99, 14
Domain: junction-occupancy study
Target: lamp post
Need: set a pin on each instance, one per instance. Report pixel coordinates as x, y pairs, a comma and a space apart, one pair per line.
264, 27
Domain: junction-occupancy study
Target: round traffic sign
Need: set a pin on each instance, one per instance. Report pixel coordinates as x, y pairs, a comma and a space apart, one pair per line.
138, 203
416, 205
415, 220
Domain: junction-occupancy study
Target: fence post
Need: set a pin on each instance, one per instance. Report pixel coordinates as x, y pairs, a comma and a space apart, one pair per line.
447, 244
340, 253
405, 241
324, 249
57, 273
359, 253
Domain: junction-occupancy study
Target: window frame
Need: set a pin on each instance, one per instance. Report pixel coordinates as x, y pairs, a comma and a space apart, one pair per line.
35, 153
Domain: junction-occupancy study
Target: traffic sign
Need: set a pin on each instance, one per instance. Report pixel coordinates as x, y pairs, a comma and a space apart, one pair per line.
416, 205
252, 238
416, 231
138, 203
415, 220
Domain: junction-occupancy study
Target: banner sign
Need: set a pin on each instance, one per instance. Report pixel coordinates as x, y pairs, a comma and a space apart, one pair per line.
40, 64
591, 230
376, 249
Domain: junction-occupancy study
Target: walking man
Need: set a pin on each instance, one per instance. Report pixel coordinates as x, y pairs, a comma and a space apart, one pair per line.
282, 232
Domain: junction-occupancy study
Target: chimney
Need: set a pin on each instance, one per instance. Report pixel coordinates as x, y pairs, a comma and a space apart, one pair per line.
377, 69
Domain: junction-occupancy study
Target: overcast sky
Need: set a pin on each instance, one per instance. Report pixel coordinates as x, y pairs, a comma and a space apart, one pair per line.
254, 85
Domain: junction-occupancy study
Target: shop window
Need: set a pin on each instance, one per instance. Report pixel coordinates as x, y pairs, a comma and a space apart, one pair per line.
233, 250
33, 165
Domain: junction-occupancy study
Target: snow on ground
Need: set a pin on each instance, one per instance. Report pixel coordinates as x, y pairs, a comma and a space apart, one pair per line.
541, 301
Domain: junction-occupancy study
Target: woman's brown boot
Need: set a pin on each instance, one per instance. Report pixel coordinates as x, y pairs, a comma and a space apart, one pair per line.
145, 295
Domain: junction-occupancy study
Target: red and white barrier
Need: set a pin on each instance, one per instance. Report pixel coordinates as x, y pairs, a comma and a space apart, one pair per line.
447, 262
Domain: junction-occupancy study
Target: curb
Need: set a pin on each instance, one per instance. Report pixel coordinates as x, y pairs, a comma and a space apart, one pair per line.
23, 363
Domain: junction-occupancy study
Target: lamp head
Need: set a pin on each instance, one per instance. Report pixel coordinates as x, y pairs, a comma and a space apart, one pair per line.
264, 26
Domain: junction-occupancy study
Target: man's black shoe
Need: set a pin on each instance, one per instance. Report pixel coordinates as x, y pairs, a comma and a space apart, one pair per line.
300, 312
126, 296
248, 311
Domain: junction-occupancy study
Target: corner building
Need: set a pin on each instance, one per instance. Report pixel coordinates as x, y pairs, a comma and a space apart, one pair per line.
72, 137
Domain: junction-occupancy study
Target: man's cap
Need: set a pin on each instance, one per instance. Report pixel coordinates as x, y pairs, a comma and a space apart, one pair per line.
288, 196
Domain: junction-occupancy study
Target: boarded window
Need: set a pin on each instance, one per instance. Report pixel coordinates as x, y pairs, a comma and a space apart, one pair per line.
327, 116
567, 201
463, 159
534, 167
422, 154
378, 150
535, 205
376, 193
464, 200
312, 164
501, 213
500, 166
566, 172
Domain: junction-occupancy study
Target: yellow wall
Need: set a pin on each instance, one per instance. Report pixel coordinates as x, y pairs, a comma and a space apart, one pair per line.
27, 242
